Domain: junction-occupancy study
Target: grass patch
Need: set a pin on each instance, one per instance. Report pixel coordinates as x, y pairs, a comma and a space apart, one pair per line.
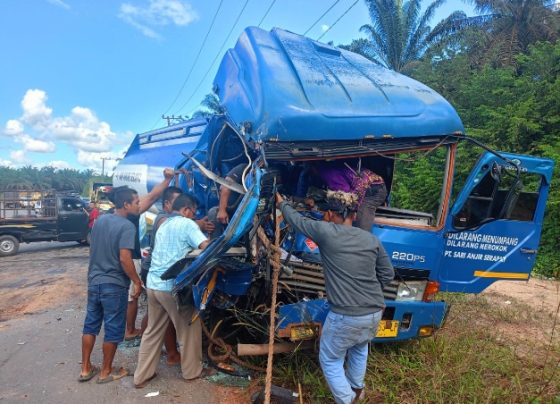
470, 360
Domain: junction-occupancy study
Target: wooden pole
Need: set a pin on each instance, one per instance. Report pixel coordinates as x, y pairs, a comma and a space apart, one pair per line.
275, 274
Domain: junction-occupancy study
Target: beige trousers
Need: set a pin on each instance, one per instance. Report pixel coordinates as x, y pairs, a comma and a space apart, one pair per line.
161, 308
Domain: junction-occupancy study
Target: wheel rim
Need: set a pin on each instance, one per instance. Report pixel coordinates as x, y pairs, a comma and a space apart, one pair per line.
7, 246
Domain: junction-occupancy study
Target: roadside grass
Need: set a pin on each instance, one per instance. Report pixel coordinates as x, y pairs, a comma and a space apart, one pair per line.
486, 353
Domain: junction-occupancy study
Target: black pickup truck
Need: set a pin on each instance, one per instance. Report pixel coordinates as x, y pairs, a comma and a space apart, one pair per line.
28, 216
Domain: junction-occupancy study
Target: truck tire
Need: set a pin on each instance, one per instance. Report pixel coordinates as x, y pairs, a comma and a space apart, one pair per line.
87, 240
9, 245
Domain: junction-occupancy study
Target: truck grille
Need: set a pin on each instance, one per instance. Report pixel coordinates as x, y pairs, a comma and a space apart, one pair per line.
306, 278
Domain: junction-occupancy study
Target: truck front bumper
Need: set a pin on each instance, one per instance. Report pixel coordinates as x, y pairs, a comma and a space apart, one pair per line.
415, 319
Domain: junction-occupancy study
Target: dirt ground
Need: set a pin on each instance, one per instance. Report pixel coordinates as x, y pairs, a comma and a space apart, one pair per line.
541, 295
42, 307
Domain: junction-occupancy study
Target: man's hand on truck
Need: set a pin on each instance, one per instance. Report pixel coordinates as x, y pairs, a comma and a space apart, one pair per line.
168, 173
205, 225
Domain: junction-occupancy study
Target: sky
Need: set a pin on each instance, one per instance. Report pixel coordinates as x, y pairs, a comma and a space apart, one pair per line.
79, 78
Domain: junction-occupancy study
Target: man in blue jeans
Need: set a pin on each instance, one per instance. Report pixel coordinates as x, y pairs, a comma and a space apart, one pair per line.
110, 271
356, 267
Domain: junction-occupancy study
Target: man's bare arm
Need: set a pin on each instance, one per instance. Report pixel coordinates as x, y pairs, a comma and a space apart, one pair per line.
222, 215
125, 256
204, 244
149, 199
205, 225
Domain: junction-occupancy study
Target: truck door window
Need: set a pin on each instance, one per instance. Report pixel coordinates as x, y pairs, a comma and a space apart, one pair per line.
523, 204
71, 205
500, 195
417, 190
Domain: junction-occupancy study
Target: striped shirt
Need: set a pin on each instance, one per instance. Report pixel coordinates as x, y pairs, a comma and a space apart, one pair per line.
175, 238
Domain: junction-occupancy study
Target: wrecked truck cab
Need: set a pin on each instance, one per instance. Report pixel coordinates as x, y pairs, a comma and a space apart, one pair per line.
292, 101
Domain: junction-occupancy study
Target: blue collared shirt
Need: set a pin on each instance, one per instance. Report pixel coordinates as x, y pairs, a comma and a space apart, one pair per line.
175, 238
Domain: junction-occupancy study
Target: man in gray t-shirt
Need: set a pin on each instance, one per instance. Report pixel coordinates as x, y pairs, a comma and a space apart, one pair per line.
111, 233
356, 267
109, 275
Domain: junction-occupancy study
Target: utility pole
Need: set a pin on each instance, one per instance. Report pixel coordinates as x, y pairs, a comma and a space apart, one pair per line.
172, 118
103, 163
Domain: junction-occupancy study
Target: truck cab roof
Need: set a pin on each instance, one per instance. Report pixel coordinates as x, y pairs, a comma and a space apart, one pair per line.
285, 87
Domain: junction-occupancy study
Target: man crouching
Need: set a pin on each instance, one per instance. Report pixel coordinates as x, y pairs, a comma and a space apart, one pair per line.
175, 238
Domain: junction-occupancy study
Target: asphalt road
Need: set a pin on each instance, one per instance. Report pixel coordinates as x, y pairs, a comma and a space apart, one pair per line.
46, 246
42, 307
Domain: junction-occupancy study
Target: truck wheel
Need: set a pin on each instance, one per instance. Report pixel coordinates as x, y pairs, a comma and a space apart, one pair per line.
87, 240
9, 245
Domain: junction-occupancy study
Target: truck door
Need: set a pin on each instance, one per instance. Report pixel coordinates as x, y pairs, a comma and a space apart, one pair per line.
72, 219
199, 273
494, 226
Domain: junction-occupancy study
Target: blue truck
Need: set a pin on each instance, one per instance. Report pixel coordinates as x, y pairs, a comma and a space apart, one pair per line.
291, 101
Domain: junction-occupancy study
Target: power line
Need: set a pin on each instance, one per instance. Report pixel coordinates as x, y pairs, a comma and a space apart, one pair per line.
322, 15
267, 11
339, 18
215, 58
195, 59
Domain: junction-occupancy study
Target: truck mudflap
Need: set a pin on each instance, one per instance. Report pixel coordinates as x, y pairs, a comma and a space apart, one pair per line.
401, 320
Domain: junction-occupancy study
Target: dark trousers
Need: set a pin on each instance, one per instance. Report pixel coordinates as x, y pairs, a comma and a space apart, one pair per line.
219, 227
375, 196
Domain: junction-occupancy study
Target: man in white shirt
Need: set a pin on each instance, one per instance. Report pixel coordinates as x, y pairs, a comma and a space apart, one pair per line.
176, 237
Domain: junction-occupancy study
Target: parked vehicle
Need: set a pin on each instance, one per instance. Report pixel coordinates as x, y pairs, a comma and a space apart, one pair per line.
290, 101
99, 196
38, 215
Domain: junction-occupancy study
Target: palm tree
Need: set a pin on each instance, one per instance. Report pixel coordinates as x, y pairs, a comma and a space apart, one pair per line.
210, 106
399, 33
515, 24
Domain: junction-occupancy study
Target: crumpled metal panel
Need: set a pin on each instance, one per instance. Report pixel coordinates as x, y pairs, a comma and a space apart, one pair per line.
290, 87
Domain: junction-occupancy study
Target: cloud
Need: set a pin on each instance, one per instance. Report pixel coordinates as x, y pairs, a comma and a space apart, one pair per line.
18, 156
58, 164
35, 145
13, 127
95, 160
83, 130
38, 130
59, 3
5, 163
157, 13
15, 130
35, 110
324, 27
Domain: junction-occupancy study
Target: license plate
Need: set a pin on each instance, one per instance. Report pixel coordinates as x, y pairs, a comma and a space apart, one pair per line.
387, 328
298, 333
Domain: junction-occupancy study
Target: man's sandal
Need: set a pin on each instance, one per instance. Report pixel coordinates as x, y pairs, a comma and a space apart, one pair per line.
86, 378
112, 377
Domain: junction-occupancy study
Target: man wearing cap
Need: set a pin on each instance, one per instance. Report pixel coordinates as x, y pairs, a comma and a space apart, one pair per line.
356, 267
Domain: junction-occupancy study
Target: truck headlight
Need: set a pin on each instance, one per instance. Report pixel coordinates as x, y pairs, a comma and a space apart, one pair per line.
411, 290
